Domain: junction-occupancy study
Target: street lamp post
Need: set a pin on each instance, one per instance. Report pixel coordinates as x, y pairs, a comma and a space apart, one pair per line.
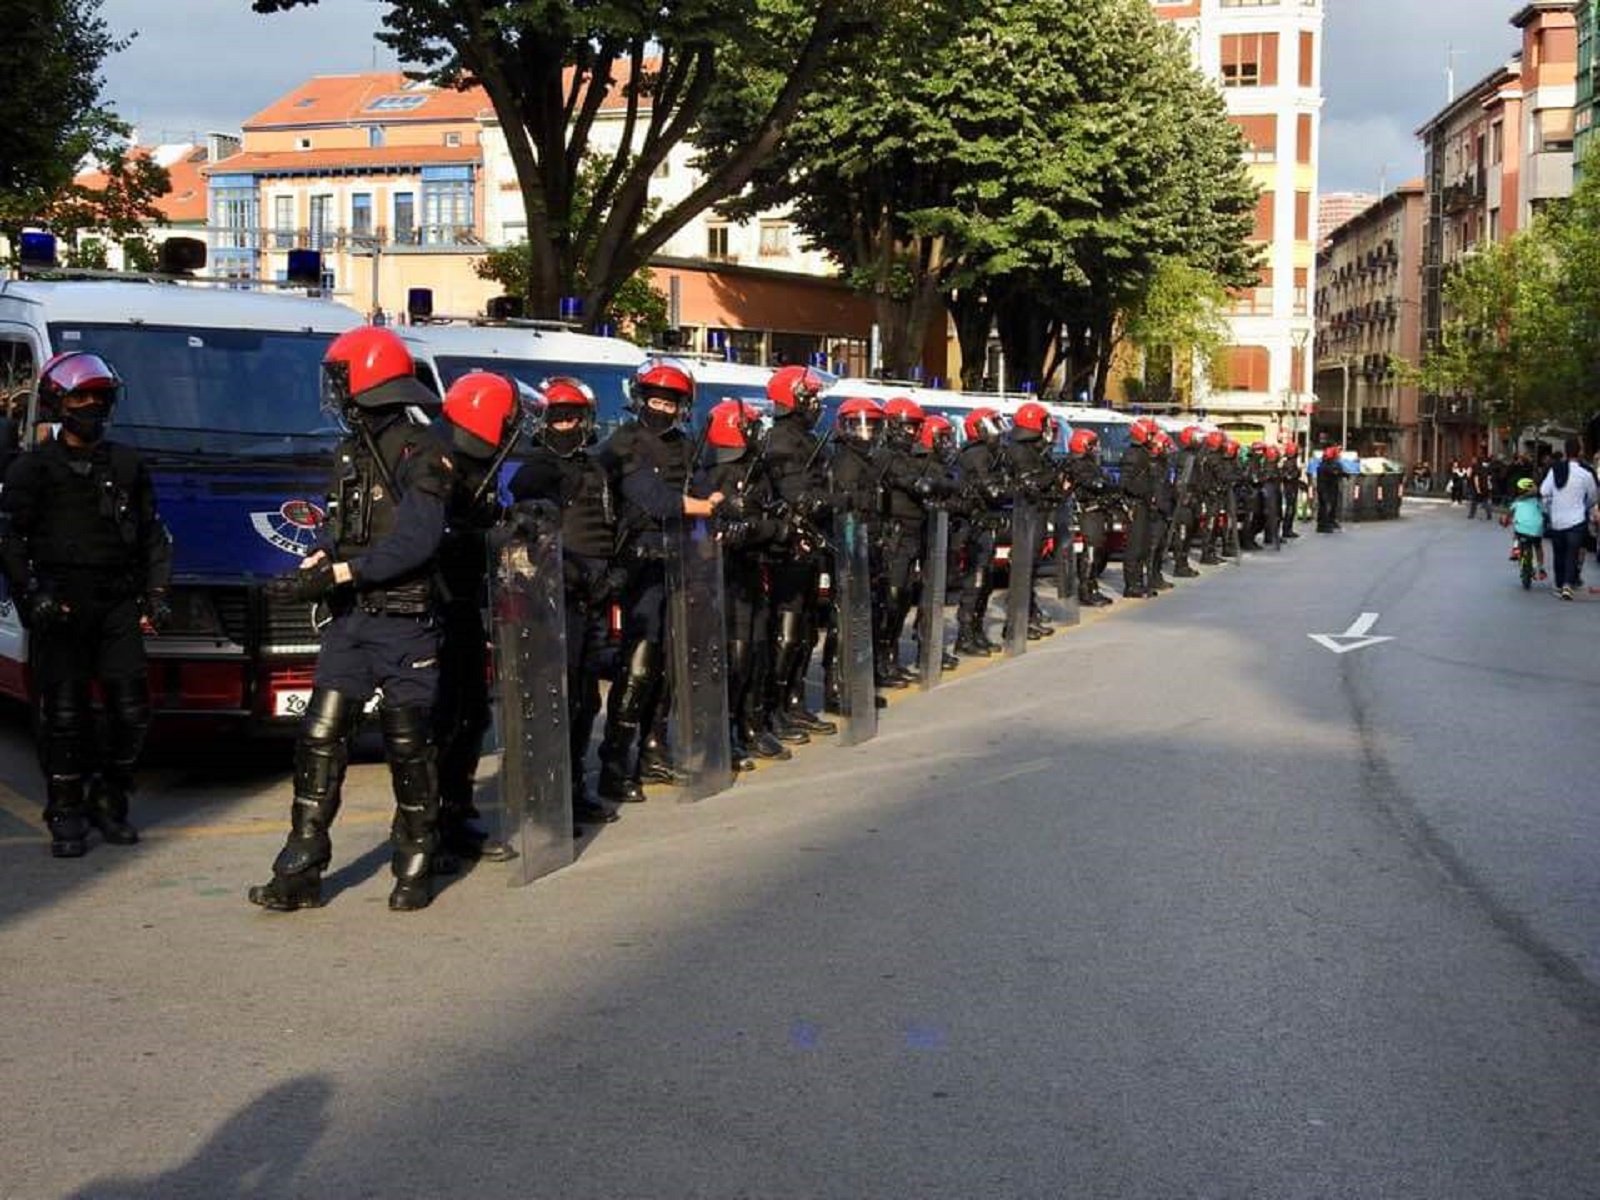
1297, 368
1344, 408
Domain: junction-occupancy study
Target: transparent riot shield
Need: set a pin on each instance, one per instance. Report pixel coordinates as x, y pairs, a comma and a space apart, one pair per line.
697, 651
1025, 528
930, 608
1234, 515
852, 597
528, 620
1069, 544
1272, 512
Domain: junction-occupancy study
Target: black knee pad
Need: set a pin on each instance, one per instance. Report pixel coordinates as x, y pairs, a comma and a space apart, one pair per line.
641, 679
411, 766
322, 749
127, 720
64, 727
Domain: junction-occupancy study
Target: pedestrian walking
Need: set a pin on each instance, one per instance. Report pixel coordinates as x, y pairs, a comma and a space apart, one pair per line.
1570, 495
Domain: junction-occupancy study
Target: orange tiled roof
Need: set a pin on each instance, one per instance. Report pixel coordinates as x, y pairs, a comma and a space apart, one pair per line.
303, 162
185, 199
382, 97
379, 97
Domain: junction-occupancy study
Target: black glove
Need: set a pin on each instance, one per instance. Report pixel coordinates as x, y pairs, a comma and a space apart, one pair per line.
157, 609
732, 507
39, 609
534, 518
305, 585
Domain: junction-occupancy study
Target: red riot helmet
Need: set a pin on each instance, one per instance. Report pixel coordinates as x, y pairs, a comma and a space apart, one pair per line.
1271, 454
731, 430
1330, 454
1031, 422
361, 361
936, 433
1189, 437
905, 417
1161, 444
480, 410
859, 418
1083, 441
1230, 448
1291, 450
1143, 431
661, 379
563, 398
1215, 440
75, 371
796, 389
981, 424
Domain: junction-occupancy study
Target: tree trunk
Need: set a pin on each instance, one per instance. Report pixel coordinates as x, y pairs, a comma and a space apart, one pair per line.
973, 317
1024, 328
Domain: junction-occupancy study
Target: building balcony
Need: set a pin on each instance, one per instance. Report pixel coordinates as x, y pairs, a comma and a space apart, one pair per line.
1549, 175
351, 241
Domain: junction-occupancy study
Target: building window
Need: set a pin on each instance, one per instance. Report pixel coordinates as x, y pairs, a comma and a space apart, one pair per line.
1308, 59
405, 218
1301, 295
283, 222
446, 211
1497, 142
321, 222
717, 243
1302, 216
1250, 301
1249, 369
1266, 225
1249, 60
235, 214
361, 214
1302, 139
374, 136
1260, 135
302, 143
774, 239
452, 139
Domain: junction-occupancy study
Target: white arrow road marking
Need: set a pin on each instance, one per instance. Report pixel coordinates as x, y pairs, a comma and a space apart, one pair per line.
1354, 638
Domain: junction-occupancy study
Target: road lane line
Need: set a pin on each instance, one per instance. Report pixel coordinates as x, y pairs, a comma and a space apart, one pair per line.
23, 809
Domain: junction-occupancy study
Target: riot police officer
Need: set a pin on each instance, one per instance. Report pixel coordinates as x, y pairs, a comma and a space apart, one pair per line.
87, 560
1330, 472
1038, 482
793, 458
1186, 480
855, 479
907, 484
649, 459
1292, 483
479, 428
1138, 489
562, 470
984, 492
1094, 495
1163, 506
374, 573
936, 445
753, 537
1213, 488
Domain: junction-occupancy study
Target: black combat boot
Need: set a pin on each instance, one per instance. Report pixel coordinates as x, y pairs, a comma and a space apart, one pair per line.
320, 754
64, 817
108, 808
414, 836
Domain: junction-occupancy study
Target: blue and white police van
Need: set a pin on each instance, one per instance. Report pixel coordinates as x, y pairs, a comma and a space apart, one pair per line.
222, 396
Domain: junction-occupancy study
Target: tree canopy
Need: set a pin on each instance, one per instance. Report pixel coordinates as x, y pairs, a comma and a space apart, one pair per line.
53, 122
548, 68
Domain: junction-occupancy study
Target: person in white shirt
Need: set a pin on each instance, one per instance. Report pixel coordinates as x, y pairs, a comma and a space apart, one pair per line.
1570, 494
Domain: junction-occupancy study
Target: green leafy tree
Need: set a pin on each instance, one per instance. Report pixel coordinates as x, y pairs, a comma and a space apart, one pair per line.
1178, 325
549, 67
53, 121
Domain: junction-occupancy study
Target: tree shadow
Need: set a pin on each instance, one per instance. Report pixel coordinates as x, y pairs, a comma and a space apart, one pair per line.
256, 1153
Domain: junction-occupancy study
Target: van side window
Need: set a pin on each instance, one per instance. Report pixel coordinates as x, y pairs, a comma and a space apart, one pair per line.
17, 369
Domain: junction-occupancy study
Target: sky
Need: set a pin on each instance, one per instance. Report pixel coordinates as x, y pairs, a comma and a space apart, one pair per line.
1383, 68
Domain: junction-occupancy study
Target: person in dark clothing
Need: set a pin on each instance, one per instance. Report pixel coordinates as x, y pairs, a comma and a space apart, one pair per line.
1329, 475
88, 563
1037, 481
907, 484
649, 462
794, 459
984, 492
478, 428
856, 483
936, 441
1186, 480
1138, 490
1094, 495
374, 573
1481, 492
1292, 483
1163, 505
562, 470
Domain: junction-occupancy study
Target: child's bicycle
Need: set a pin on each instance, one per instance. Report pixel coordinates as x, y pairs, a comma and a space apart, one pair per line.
1527, 560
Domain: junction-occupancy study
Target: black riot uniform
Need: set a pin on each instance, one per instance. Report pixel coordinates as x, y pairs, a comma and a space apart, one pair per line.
1291, 488
1094, 497
907, 481
937, 451
985, 490
374, 576
478, 429
1212, 487
794, 459
1037, 481
1138, 489
855, 484
1186, 482
85, 556
650, 462
562, 470
754, 536
1330, 473
1163, 507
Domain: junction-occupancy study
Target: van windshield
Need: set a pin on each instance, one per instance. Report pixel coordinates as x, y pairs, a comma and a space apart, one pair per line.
610, 382
1114, 438
216, 392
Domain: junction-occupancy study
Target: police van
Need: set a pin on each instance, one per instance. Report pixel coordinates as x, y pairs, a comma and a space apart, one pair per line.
222, 397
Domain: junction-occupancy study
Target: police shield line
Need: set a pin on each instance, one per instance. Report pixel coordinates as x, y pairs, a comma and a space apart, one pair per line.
691, 572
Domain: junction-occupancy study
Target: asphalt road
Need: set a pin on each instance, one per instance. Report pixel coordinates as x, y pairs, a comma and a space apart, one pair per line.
1182, 904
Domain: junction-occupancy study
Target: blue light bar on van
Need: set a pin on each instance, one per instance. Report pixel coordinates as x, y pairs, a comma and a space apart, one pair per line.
37, 249
1027, 387
571, 308
819, 359
606, 330
716, 340
419, 303
937, 382
916, 373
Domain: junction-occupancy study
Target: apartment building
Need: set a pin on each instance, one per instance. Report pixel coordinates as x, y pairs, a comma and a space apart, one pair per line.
182, 210
1494, 157
1266, 56
1369, 321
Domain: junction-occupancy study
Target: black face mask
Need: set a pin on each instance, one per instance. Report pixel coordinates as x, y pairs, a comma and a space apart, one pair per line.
88, 423
565, 442
655, 420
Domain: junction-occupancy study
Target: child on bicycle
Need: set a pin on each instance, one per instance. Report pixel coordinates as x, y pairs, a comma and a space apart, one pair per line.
1526, 518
